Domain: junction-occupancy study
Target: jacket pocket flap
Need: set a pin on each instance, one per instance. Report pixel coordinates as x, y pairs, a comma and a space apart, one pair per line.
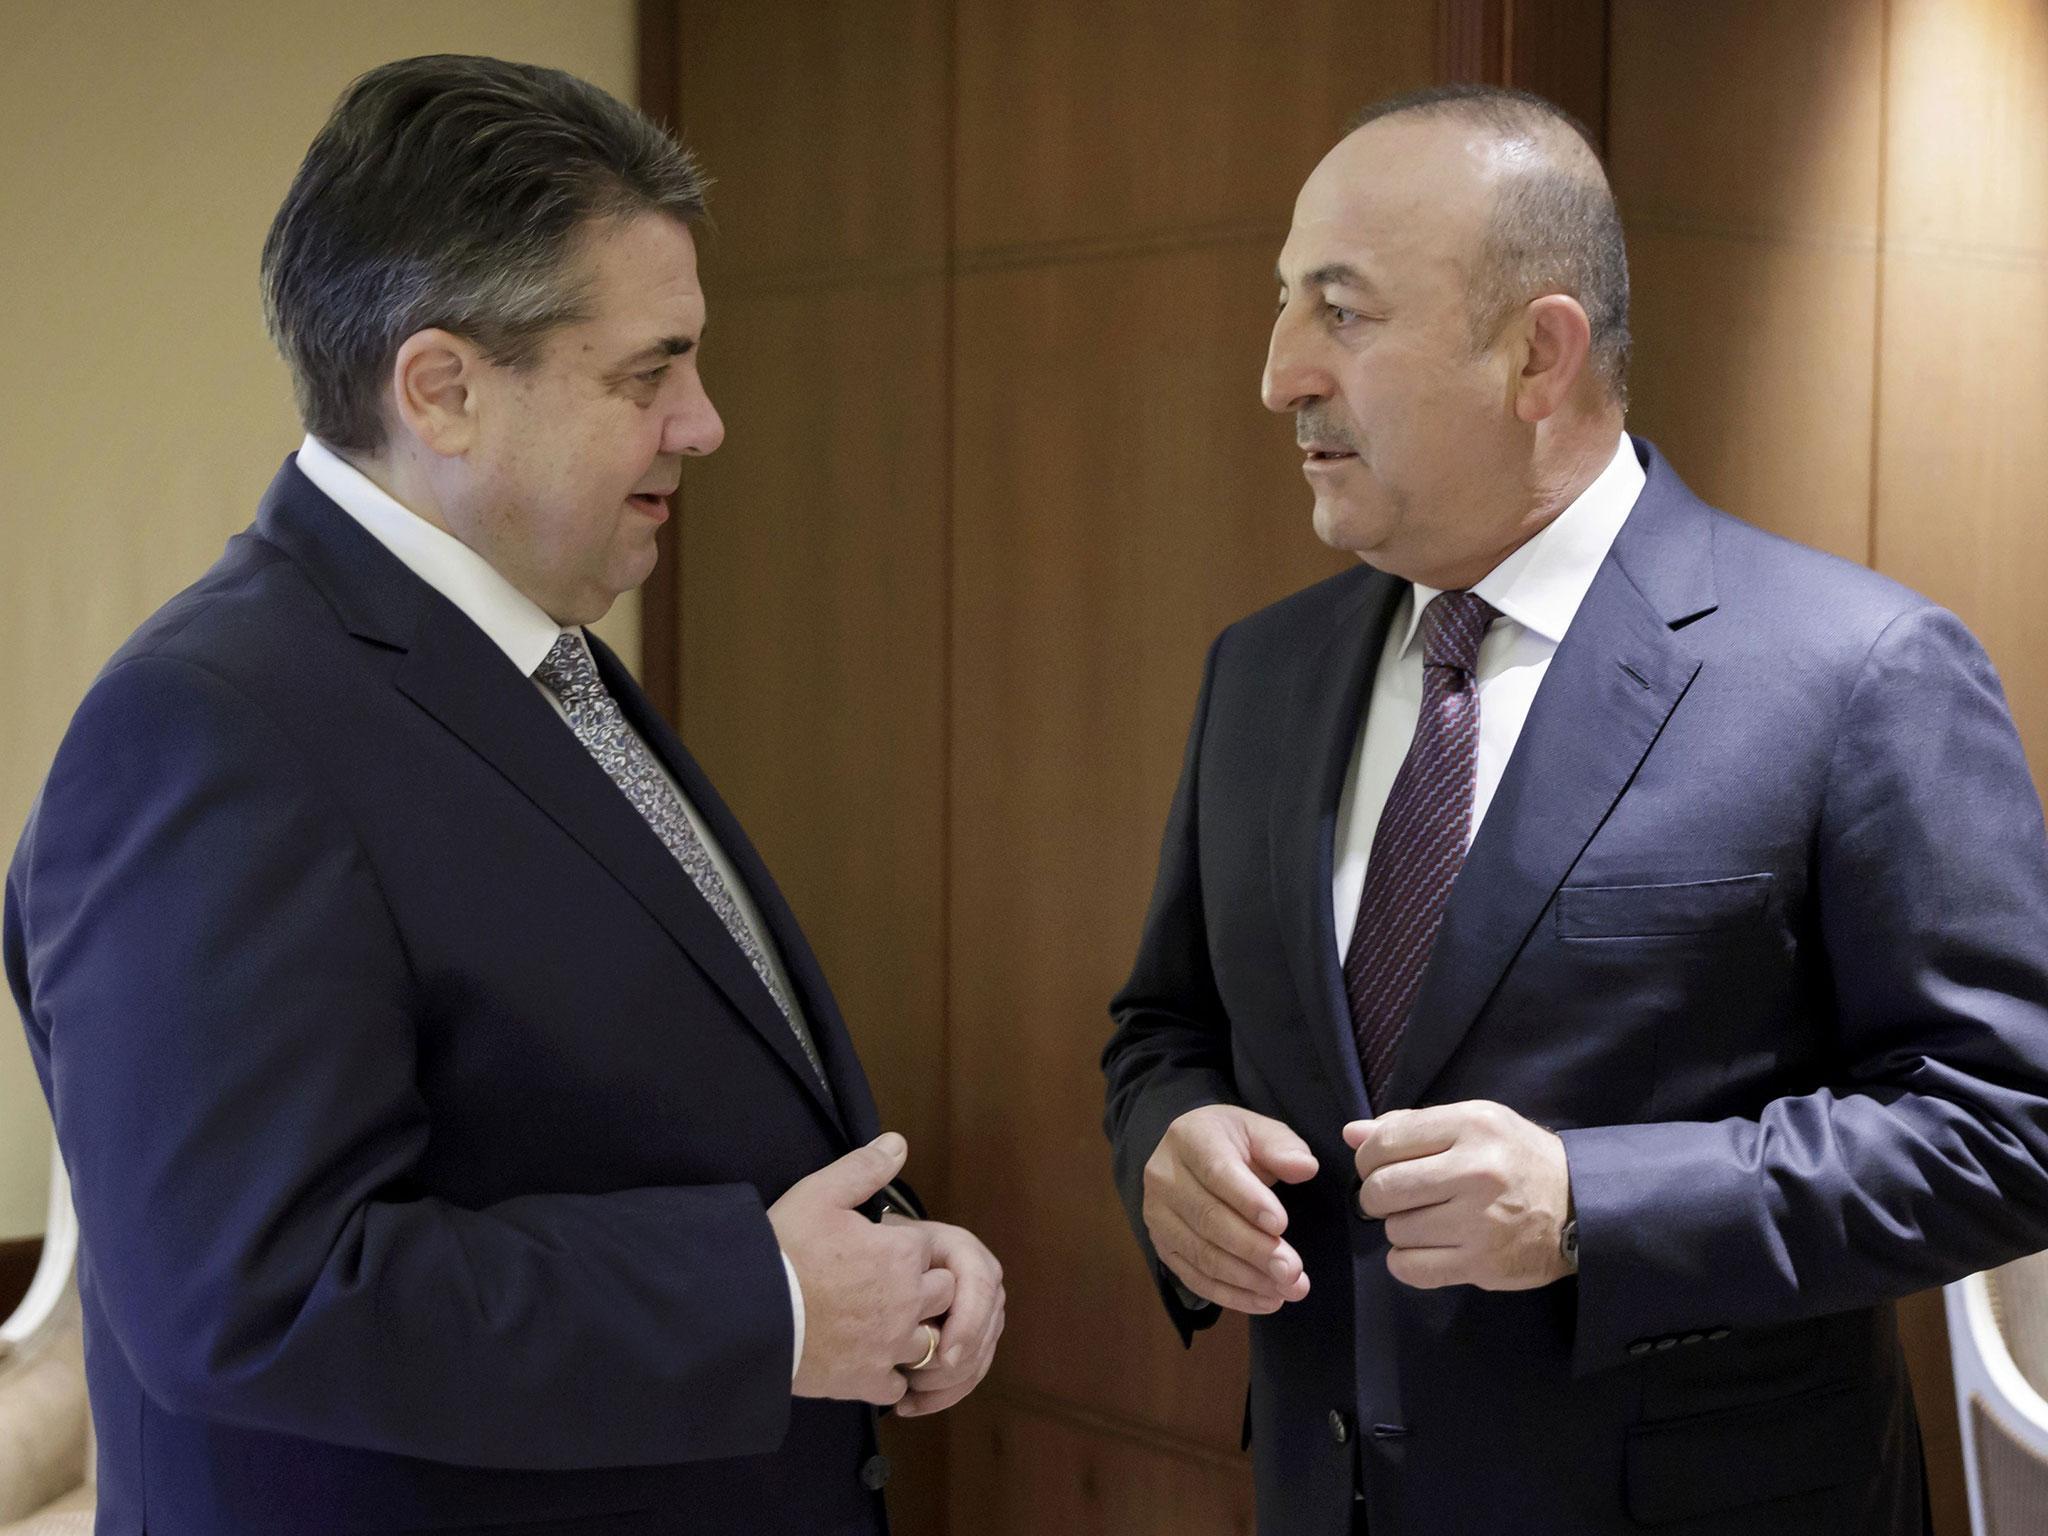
1685, 1468
1651, 911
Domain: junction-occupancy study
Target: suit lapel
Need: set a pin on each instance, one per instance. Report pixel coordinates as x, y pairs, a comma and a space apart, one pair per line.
1610, 688
451, 669
854, 1108
1326, 714
458, 676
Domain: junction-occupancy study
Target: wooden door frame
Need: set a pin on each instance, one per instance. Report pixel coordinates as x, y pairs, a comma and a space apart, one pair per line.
658, 41
1556, 48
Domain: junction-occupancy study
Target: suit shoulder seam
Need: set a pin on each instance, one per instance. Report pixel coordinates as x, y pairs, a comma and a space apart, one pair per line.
1846, 710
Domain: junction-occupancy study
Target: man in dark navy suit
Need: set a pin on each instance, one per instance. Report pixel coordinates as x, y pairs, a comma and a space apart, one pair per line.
462, 1133
1599, 958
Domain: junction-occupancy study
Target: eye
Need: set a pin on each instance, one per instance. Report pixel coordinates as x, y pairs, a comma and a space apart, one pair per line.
1339, 315
653, 375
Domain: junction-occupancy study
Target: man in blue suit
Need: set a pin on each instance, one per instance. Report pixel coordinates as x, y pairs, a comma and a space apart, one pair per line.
463, 1135
1600, 952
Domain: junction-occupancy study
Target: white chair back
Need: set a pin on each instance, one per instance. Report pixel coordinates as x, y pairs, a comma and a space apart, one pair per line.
1998, 1342
53, 1272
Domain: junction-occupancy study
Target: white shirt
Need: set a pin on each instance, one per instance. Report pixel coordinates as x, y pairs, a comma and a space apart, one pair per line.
1537, 591
520, 628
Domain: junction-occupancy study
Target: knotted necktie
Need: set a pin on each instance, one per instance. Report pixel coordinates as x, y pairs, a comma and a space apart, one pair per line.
571, 676
1420, 841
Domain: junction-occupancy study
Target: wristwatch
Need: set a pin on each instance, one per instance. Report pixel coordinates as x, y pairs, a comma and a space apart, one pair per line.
1568, 1234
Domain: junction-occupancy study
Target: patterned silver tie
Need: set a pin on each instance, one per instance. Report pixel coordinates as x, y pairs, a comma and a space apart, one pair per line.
571, 676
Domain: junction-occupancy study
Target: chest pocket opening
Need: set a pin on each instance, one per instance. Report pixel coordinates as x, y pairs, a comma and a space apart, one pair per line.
1661, 911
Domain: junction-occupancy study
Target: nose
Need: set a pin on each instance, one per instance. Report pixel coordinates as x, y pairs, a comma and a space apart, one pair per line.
693, 426
1293, 378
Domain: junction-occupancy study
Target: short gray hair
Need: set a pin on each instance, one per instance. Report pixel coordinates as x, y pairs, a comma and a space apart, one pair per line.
450, 191
1554, 227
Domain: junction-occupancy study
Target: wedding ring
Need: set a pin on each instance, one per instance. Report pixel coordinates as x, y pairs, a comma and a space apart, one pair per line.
931, 1349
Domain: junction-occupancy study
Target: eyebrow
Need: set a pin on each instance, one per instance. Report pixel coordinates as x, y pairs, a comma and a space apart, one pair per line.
1336, 274
668, 346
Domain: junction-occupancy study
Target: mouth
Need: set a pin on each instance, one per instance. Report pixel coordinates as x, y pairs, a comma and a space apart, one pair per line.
1327, 455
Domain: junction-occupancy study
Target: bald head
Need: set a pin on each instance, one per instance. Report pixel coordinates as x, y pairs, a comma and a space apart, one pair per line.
1548, 223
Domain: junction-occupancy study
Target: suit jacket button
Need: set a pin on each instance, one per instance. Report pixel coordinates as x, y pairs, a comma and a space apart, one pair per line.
874, 1472
1667, 1341
1693, 1338
1340, 1427
1716, 1335
1641, 1347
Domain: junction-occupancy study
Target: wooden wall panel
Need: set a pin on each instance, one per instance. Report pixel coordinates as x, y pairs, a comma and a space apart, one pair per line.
1744, 149
1137, 119
1755, 361
812, 548
1757, 114
1122, 496
1839, 218
658, 60
813, 572
1556, 48
1963, 459
813, 624
989, 296
1126, 173
1033, 1467
826, 132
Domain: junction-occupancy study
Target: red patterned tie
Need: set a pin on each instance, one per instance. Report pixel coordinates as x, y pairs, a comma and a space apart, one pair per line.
1420, 841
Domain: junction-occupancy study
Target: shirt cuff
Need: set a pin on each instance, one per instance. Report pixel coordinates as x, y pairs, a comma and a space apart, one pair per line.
796, 1312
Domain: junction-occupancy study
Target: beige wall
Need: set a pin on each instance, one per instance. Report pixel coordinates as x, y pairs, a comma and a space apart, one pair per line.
143, 150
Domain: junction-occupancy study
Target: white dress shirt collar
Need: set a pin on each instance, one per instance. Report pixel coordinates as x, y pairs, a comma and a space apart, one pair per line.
1541, 585
516, 624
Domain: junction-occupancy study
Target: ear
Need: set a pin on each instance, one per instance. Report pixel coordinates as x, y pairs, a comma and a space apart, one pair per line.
1559, 339
434, 390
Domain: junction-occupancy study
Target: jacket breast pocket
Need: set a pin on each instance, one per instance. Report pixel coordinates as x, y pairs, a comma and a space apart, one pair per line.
1592, 912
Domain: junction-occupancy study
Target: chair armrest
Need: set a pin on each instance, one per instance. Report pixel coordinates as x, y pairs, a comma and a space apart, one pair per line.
43, 1418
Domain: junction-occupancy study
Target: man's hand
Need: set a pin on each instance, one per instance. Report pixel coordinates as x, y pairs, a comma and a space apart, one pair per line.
967, 1339
1211, 1211
867, 1287
1472, 1194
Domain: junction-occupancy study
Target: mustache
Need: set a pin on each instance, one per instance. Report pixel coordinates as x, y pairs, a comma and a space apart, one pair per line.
1319, 429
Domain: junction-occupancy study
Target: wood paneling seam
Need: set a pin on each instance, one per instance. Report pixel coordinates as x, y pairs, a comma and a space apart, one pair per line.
1978, 254
949, 220
658, 29
1132, 1431
1049, 253
826, 276
1843, 238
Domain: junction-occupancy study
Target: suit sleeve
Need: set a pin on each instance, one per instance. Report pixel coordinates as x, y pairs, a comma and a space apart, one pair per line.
232, 1031
1170, 1050
1922, 1159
